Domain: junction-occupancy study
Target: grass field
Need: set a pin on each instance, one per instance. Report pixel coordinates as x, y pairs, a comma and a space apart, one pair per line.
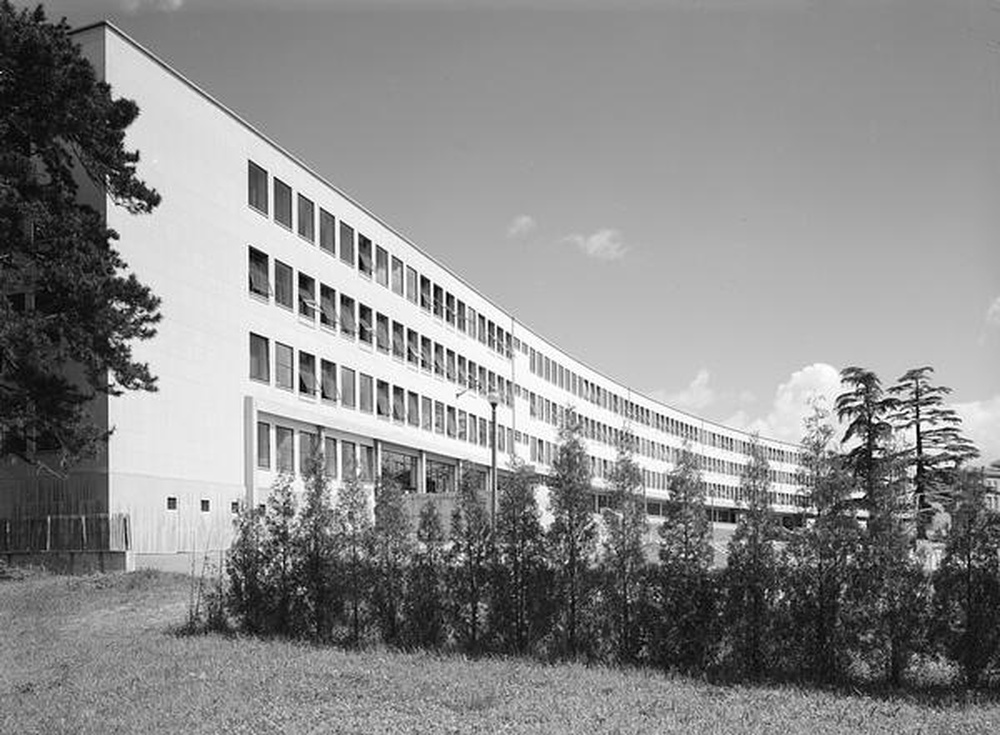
97, 655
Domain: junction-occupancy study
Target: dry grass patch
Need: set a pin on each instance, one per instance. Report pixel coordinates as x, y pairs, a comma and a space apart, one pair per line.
97, 655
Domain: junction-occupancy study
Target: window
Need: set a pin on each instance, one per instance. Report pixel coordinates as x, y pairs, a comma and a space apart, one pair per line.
307, 374
483, 436
381, 266
472, 429
171, 503
346, 387
451, 424
397, 275
425, 353
450, 365
398, 341
366, 467
234, 507
449, 309
364, 255
327, 232
471, 324
402, 468
462, 380
365, 321
438, 359
328, 380
411, 284
440, 477
439, 417
346, 243
330, 456
462, 425
382, 399
413, 409
398, 404
282, 203
382, 332
412, 347
327, 306
348, 460
283, 367
263, 445
259, 359
308, 445
307, 296
438, 301
425, 412
257, 187
284, 439
307, 219
460, 316
365, 392
482, 329
282, 284
205, 505
347, 316
425, 293
259, 283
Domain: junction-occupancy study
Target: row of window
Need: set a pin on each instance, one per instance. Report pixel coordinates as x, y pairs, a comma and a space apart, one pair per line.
565, 379
341, 312
373, 261
347, 459
353, 389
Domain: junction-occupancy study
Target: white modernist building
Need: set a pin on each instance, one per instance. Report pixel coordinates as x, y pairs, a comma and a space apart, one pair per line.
294, 316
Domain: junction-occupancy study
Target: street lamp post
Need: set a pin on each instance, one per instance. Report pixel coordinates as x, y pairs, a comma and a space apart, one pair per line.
494, 399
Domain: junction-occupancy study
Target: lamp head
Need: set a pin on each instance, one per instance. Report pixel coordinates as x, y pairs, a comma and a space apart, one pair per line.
493, 398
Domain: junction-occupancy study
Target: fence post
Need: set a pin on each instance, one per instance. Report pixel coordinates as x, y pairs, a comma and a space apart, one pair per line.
48, 533
83, 528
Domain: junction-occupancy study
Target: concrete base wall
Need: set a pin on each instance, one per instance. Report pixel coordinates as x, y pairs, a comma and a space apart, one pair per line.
71, 562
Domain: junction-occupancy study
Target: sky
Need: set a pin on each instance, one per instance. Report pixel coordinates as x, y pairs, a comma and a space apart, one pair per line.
719, 203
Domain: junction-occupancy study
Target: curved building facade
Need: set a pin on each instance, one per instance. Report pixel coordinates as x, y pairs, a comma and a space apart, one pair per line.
293, 317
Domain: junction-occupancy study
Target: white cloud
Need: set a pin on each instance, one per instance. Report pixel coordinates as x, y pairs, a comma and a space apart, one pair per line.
166, 6
696, 396
791, 403
604, 244
981, 423
521, 225
993, 313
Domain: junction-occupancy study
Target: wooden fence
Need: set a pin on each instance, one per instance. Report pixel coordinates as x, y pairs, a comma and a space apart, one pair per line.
95, 532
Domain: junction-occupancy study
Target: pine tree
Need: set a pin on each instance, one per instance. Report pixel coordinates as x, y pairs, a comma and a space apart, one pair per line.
868, 410
939, 448
279, 551
469, 561
520, 578
69, 310
751, 574
623, 560
316, 553
391, 557
817, 561
889, 590
967, 584
686, 596
425, 606
572, 533
246, 564
353, 527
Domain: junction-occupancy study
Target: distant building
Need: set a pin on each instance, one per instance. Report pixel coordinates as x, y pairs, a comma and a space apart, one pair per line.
294, 318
